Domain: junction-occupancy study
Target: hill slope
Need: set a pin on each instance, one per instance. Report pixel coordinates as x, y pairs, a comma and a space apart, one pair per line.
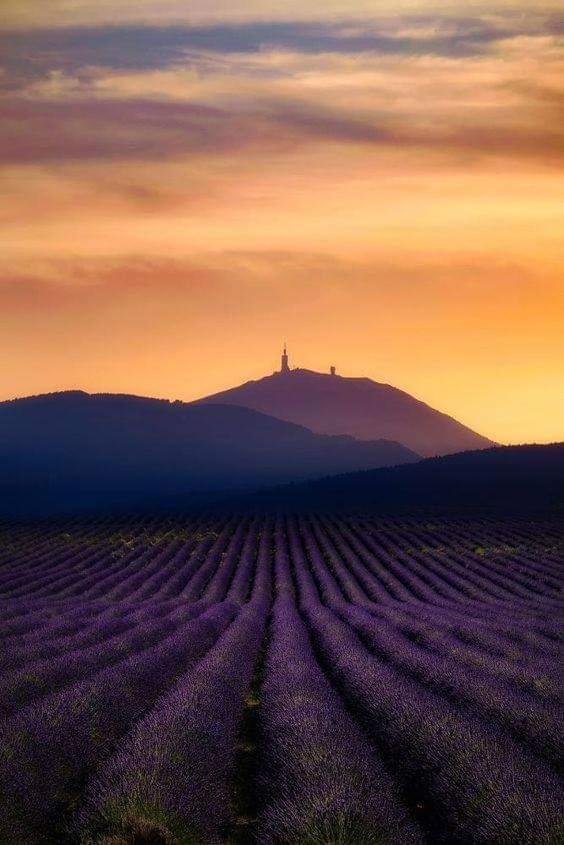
505, 477
359, 407
66, 449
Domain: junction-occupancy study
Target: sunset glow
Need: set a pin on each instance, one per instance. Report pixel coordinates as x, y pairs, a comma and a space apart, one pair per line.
182, 192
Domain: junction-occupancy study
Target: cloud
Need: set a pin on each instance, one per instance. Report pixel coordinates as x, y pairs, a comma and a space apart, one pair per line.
51, 131
106, 129
72, 13
223, 282
84, 129
259, 278
455, 86
74, 49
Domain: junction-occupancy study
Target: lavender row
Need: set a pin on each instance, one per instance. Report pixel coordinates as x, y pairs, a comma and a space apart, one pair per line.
172, 777
47, 751
469, 783
114, 644
321, 781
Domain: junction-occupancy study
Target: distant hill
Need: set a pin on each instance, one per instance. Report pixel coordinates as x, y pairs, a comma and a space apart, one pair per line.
72, 449
360, 407
505, 477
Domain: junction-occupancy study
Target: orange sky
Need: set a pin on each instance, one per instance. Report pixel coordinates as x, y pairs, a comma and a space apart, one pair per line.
182, 192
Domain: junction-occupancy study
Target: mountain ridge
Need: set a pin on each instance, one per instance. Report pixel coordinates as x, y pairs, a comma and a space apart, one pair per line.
116, 446
358, 406
502, 477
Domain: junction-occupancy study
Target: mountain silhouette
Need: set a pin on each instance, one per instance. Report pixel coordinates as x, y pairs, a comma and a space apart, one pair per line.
501, 478
359, 407
70, 449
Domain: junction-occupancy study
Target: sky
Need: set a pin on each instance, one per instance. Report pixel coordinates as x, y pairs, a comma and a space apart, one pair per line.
380, 184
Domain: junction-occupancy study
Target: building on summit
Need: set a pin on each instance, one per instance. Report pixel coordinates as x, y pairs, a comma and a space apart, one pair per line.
284, 368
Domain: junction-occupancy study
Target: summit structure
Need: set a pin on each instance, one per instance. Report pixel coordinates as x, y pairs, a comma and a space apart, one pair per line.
284, 366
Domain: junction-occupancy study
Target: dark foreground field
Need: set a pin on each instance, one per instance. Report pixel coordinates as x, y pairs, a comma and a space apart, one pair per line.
281, 680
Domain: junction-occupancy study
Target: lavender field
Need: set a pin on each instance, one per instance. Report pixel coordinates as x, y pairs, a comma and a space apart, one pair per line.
281, 679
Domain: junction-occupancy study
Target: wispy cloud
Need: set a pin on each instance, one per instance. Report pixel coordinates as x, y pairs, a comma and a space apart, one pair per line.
33, 53
475, 85
65, 132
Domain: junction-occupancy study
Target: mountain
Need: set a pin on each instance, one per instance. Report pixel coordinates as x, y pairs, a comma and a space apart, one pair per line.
501, 478
71, 449
360, 407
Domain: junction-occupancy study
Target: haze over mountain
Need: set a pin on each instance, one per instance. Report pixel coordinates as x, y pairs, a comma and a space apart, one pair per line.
502, 478
359, 407
67, 449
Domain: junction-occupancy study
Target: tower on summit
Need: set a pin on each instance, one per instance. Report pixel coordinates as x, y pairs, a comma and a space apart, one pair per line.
284, 367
